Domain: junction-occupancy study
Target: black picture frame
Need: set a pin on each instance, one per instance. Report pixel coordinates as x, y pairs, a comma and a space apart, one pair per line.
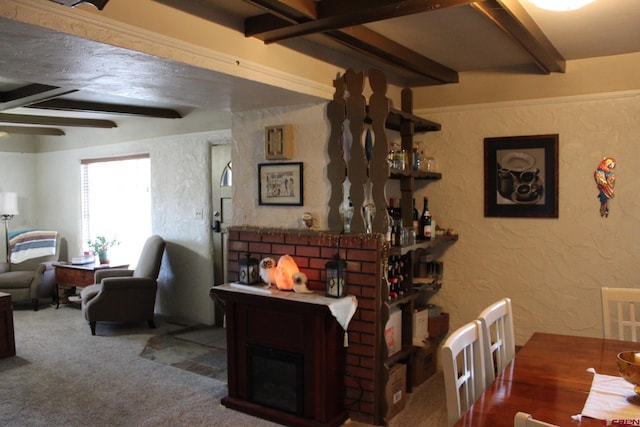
521, 176
280, 184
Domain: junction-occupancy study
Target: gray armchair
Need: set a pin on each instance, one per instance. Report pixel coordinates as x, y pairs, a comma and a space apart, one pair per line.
123, 295
31, 280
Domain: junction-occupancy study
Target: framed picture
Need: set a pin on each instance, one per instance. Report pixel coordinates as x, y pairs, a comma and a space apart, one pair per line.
278, 142
280, 184
521, 176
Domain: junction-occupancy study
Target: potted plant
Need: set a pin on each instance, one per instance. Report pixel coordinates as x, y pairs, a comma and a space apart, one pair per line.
100, 246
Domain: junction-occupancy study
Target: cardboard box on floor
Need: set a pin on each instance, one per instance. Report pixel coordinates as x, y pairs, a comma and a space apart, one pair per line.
396, 391
424, 365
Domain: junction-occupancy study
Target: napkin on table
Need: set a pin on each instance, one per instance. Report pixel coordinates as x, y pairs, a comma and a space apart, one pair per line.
607, 399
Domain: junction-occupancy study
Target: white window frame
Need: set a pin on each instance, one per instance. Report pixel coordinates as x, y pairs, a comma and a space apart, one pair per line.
125, 200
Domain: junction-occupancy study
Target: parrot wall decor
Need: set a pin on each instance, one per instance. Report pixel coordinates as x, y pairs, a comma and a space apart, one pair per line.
605, 180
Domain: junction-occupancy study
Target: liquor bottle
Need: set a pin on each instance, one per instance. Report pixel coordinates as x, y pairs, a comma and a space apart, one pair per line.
391, 237
425, 222
415, 159
416, 218
397, 225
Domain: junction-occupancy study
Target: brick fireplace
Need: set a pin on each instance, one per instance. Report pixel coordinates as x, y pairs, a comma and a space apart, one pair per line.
311, 251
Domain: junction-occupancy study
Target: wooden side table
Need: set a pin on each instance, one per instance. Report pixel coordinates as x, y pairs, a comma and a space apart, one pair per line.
71, 276
7, 340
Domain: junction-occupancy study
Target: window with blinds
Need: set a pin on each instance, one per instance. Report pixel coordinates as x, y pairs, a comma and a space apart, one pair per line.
116, 204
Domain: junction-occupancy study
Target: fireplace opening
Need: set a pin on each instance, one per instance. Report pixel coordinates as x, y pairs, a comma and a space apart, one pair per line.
276, 378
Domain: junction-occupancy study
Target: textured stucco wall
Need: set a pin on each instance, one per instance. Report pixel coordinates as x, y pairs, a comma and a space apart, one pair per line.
14, 179
310, 130
551, 268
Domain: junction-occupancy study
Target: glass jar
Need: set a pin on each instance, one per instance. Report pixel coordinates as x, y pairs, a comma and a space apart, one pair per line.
429, 164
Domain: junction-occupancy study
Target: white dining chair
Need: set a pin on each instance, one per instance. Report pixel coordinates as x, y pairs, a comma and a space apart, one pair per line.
620, 313
500, 346
464, 369
523, 419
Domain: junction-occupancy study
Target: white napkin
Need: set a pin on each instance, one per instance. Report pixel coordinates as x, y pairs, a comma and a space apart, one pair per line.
607, 399
343, 309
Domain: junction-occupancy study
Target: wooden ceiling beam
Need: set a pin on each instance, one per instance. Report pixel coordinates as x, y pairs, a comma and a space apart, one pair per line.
291, 11
101, 108
358, 38
55, 121
306, 7
342, 15
513, 19
32, 130
98, 4
30, 94
371, 43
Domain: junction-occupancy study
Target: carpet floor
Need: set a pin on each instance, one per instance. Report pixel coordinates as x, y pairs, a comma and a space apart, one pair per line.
64, 376
130, 375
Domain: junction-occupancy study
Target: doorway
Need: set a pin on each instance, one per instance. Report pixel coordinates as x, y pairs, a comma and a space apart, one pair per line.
222, 211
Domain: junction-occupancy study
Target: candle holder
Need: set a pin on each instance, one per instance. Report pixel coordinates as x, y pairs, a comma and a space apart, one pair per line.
249, 271
336, 275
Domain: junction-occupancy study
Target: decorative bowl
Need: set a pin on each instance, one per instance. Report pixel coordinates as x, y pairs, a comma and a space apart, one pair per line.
629, 368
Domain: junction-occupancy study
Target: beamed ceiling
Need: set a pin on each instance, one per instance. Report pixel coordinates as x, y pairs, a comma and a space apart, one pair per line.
415, 42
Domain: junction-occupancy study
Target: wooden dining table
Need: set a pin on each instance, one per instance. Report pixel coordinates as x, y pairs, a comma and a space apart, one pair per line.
548, 379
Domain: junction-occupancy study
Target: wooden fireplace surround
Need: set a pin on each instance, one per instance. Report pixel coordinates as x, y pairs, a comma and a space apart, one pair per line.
300, 328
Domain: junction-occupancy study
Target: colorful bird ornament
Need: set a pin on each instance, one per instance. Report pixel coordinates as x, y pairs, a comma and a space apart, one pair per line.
605, 180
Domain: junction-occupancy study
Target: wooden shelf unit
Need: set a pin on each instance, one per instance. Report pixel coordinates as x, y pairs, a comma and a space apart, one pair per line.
349, 105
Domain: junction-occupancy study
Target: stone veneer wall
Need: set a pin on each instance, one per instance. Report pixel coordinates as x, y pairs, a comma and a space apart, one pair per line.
311, 251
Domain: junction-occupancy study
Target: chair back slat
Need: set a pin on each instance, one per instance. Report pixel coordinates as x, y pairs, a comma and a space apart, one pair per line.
497, 322
619, 318
464, 369
523, 419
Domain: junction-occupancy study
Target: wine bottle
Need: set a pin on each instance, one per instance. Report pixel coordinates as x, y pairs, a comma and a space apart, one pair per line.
425, 222
416, 218
397, 225
391, 235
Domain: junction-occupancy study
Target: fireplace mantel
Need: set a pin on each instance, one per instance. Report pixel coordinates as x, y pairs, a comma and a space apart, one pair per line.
301, 331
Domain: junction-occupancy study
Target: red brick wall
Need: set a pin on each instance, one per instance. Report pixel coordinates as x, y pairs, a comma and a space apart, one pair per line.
311, 251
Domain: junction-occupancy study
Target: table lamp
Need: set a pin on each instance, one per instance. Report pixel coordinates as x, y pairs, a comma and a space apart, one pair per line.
8, 209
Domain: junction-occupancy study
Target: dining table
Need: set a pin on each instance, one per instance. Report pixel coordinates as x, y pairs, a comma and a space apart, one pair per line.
549, 379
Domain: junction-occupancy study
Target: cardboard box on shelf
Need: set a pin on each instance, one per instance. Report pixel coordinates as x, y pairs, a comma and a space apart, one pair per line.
420, 326
439, 326
393, 331
396, 391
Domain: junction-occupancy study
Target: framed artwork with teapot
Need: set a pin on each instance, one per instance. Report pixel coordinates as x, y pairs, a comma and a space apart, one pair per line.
521, 176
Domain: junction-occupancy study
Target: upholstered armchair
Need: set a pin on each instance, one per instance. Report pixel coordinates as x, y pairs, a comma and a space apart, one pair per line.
31, 280
124, 295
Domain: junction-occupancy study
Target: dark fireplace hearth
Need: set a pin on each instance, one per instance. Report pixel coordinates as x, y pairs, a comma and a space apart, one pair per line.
275, 379
285, 360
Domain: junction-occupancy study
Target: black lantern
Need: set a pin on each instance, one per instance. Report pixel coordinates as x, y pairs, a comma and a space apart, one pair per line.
249, 274
336, 272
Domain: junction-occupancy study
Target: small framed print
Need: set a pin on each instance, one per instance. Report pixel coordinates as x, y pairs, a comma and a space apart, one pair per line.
521, 176
278, 142
280, 184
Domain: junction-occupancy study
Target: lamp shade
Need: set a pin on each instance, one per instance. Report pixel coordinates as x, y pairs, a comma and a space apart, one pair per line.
8, 203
